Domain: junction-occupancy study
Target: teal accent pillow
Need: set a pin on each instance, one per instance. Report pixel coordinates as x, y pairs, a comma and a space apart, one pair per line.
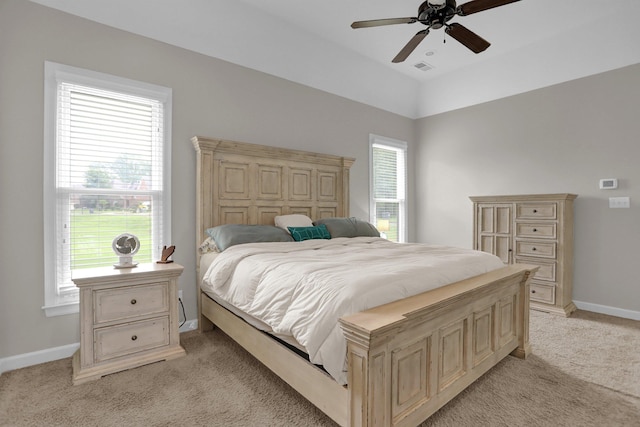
234, 234
306, 233
348, 227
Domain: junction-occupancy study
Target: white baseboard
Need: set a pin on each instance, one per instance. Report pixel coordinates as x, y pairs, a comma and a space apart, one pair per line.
50, 354
611, 311
35, 358
189, 325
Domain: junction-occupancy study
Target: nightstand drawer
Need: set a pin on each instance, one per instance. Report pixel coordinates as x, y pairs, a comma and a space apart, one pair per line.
126, 303
535, 249
536, 231
543, 293
536, 211
130, 338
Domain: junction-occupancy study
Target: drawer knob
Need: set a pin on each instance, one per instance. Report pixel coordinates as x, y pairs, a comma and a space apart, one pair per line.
535, 229
133, 338
535, 211
133, 301
534, 249
533, 291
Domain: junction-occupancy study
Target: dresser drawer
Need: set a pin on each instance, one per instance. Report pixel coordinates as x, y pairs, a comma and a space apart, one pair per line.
543, 293
122, 303
546, 270
536, 249
536, 231
115, 341
536, 211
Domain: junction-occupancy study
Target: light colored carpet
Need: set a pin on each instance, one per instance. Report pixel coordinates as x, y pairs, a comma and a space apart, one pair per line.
584, 371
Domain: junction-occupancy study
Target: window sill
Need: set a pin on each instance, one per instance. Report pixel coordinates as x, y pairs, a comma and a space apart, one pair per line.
61, 309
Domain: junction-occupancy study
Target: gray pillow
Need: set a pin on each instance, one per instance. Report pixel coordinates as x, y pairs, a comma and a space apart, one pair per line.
348, 227
228, 235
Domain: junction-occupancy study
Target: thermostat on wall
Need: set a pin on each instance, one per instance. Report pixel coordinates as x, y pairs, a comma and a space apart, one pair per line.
608, 184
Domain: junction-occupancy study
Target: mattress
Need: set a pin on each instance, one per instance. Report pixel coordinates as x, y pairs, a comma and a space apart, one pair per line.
205, 262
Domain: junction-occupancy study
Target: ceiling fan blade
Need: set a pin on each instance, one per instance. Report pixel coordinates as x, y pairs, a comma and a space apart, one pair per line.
380, 22
410, 47
476, 6
467, 37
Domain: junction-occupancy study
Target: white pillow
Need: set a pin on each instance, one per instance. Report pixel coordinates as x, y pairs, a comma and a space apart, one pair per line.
293, 220
209, 245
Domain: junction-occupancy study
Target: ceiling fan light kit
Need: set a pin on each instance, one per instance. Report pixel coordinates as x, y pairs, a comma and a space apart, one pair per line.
436, 14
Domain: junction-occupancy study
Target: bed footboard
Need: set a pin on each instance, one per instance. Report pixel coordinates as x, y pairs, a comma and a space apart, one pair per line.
407, 359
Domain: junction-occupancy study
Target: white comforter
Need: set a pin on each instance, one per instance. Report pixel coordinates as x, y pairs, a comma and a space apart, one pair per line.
301, 289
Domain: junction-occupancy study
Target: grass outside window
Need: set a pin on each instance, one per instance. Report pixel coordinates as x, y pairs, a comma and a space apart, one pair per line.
92, 233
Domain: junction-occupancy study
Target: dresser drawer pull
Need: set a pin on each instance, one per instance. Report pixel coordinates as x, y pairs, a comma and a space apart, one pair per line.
134, 337
534, 249
535, 230
535, 211
133, 301
533, 291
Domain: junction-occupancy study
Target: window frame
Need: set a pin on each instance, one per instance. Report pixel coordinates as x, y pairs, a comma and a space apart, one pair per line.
401, 147
54, 73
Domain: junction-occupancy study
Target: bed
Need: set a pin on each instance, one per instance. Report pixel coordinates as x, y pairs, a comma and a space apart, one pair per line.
406, 358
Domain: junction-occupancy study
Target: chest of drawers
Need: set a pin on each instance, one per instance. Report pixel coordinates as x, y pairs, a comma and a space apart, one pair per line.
128, 318
531, 229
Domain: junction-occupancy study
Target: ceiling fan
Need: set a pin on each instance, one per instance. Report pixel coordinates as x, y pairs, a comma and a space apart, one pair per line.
436, 14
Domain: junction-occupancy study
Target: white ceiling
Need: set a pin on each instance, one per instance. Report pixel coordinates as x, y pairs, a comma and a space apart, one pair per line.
535, 43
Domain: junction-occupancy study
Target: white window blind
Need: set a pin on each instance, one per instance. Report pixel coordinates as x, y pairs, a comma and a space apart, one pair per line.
388, 187
110, 178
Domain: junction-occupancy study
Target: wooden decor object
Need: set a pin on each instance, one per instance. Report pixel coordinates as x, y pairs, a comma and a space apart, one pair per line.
531, 229
166, 253
406, 359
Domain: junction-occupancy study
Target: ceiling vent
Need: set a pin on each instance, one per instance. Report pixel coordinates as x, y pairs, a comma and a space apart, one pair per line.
423, 66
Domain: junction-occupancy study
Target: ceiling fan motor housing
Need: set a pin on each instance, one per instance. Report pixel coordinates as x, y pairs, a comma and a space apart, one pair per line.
434, 14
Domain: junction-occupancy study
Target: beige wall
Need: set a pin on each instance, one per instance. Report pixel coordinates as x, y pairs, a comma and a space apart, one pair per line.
563, 138
210, 98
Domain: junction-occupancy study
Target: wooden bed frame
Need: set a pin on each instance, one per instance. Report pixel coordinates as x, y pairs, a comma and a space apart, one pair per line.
406, 359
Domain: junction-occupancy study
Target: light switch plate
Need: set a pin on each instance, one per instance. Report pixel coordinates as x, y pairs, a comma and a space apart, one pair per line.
619, 202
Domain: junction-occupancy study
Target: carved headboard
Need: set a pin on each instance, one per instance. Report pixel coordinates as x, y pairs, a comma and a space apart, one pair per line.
240, 183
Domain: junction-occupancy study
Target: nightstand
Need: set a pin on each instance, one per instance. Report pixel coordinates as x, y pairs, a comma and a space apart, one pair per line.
128, 318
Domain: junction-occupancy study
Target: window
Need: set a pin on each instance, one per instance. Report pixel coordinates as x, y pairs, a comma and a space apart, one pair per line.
107, 169
388, 176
